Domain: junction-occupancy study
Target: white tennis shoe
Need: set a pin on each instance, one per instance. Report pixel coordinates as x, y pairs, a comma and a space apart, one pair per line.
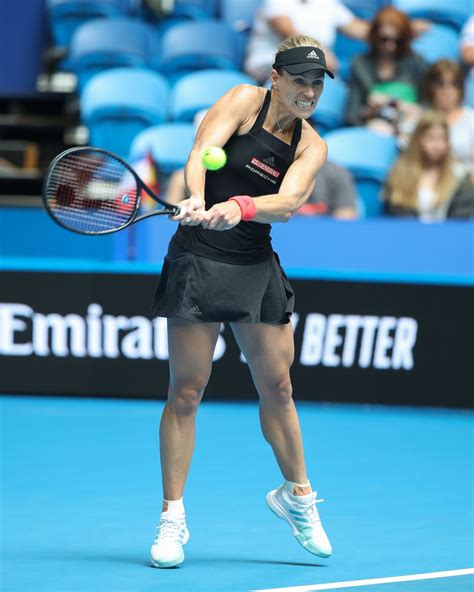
167, 549
302, 515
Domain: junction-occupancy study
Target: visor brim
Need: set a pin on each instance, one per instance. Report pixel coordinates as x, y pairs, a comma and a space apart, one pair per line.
303, 68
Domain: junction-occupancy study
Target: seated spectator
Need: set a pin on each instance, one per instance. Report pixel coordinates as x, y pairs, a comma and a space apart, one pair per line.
425, 182
279, 19
444, 91
333, 195
385, 83
155, 9
467, 43
467, 58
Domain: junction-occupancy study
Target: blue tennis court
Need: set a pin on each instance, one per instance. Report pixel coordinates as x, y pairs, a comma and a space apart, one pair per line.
81, 494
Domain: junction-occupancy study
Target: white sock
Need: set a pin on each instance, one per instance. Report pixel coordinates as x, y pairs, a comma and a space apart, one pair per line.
175, 507
290, 488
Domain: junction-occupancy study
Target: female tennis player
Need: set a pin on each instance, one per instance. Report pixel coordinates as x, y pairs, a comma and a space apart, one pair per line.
220, 267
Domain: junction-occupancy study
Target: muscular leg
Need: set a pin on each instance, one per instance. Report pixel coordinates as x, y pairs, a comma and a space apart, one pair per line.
191, 347
269, 351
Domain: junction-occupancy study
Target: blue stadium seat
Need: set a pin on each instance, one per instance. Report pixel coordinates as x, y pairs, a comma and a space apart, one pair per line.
169, 144
365, 9
199, 90
110, 43
368, 156
195, 9
118, 104
199, 45
439, 42
346, 49
331, 109
453, 13
66, 16
168, 22
239, 14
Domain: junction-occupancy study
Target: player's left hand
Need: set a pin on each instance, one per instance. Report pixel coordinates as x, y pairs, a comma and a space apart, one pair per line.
191, 211
222, 216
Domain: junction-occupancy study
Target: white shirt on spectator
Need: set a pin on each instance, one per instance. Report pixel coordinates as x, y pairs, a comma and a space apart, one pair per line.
426, 206
461, 136
467, 32
318, 18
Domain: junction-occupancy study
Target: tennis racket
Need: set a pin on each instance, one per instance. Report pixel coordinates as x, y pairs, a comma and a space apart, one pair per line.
92, 191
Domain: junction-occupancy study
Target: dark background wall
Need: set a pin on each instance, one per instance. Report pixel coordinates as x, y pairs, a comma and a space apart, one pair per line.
91, 334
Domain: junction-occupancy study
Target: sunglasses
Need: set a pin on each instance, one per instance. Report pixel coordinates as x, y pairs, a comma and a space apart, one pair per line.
387, 39
447, 83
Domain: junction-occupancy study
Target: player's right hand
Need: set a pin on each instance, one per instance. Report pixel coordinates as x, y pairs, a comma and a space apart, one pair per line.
191, 212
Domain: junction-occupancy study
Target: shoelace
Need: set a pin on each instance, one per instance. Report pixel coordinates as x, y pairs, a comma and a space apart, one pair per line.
309, 507
169, 529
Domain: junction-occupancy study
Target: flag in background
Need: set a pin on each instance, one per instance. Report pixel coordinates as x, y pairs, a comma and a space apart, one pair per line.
146, 169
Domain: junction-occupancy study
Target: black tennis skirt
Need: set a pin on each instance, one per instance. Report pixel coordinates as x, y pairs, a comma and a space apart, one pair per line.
203, 290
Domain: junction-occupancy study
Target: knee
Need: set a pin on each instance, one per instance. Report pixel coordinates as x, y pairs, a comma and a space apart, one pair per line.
184, 399
280, 392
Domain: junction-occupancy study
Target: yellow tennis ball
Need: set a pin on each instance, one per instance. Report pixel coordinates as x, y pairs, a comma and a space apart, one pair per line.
213, 158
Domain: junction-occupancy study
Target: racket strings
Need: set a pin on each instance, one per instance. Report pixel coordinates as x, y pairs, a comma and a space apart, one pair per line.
91, 192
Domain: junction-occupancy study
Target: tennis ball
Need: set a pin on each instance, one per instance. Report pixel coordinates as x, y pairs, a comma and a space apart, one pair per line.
213, 158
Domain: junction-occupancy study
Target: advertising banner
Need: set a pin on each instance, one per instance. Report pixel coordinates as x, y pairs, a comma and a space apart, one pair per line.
91, 334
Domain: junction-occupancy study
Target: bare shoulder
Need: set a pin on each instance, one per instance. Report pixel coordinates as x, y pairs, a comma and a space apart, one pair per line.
228, 115
248, 92
240, 104
244, 96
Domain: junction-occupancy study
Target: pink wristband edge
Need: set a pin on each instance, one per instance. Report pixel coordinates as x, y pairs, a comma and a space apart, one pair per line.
247, 206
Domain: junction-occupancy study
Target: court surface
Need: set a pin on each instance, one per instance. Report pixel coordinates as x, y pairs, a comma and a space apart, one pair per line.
81, 495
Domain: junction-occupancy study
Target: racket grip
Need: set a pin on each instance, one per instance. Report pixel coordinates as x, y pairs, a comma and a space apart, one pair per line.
175, 212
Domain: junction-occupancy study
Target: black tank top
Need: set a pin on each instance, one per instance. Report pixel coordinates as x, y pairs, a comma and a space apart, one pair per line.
256, 164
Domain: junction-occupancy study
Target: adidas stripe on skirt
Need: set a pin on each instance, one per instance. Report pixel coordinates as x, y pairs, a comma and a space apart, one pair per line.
203, 290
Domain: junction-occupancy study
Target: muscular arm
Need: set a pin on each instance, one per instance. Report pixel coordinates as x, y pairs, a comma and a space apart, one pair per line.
232, 111
295, 189
220, 123
296, 186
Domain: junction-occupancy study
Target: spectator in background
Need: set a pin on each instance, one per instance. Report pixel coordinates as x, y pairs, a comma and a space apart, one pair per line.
444, 91
425, 182
385, 83
278, 19
334, 194
467, 58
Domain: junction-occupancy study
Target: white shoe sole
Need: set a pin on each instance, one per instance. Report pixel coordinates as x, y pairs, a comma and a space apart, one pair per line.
279, 511
167, 564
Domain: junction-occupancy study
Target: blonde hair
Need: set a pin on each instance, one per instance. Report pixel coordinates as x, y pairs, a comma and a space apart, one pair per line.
299, 41
402, 184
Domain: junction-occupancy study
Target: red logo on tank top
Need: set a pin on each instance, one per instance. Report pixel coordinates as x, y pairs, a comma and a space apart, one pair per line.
265, 167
